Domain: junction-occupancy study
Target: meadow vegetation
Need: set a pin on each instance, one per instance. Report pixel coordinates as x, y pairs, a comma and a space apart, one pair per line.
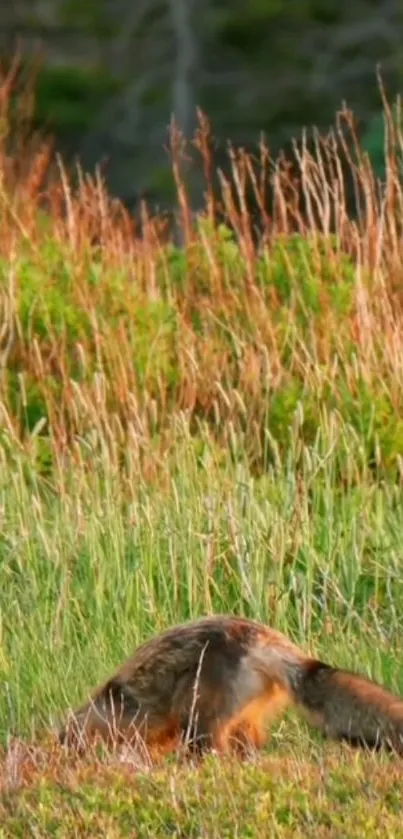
216, 427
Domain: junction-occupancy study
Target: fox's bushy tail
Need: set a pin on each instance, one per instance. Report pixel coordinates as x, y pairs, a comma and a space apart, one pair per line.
344, 705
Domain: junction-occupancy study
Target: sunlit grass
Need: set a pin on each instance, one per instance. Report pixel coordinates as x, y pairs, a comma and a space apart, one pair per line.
91, 568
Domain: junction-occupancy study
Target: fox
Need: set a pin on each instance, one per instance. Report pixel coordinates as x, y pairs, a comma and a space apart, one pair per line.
215, 683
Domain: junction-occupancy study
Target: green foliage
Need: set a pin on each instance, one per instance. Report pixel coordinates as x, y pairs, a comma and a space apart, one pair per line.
307, 288
68, 98
62, 314
92, 16
153, 332
309, 274
46, 299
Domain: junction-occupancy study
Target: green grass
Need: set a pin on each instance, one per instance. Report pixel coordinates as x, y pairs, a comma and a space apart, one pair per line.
93, 566
98, 558
325, 795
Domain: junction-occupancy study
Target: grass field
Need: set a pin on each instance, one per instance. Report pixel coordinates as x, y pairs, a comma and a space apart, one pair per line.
216, 428
91, 568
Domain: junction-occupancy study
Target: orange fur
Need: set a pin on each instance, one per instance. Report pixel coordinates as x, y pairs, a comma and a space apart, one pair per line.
248, 729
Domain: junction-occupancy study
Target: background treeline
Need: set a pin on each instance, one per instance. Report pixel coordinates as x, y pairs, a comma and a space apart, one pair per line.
113, 71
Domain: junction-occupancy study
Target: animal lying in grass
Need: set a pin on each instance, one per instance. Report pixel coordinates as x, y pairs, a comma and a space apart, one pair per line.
214, 683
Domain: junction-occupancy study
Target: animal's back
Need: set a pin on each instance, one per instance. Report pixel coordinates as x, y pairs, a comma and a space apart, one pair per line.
181, 646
